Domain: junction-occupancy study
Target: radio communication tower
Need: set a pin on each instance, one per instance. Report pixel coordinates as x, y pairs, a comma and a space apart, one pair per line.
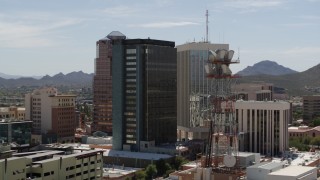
222, 148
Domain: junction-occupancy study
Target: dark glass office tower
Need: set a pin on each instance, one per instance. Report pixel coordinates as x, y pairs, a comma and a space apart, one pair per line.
144, 92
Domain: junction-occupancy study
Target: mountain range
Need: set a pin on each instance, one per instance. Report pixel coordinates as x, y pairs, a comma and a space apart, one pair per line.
75, 79
266, 67
268, 71
295, 84
7, 76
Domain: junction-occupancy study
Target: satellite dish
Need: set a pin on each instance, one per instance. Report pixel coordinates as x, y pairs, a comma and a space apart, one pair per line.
221, 54
229, 160
211, 70
229, 55
208, 69
226, 70
212, 56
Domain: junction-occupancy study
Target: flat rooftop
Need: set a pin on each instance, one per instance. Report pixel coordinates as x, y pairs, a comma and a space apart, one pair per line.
246, 154
118, 171
83, 153
136, 155
46, 160
267, 165
293, 171
48, 153
305, 158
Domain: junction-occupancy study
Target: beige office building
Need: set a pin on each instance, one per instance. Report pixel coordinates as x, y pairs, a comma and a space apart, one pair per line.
193, 88
17, 113
258, 91
52, 114
263, 126
52, 165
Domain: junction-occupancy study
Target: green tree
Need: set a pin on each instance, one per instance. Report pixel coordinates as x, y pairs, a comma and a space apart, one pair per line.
307, 140
160, 164
298, 143
297, 114
140, 175
168, 170
179, 161
315, 141
162, 167
315, 122
151, 171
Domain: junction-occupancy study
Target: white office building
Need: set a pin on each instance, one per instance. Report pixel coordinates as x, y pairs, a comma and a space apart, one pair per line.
263, 126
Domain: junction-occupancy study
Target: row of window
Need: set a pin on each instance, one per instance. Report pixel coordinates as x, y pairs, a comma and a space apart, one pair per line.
66, 104
65, 100
300, 134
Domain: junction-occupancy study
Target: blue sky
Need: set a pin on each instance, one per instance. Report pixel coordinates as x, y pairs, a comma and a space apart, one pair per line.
39, 37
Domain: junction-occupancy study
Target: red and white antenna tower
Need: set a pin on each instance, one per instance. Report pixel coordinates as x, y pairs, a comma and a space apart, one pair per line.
207, 26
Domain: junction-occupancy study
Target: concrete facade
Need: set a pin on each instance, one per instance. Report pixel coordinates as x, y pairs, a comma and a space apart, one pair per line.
84, 165
12, 112
263, 126
52, 114
302, 132
260, 171
293, 173
254, 91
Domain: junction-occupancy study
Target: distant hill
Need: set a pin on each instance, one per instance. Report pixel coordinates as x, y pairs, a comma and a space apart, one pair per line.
7, 76
266, 67
293, 83
76, 79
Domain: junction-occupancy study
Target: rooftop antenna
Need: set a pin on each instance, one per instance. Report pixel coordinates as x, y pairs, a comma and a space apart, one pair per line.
207, 27
223, 37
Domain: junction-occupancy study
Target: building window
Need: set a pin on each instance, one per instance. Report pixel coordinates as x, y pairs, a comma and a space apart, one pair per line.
131, 51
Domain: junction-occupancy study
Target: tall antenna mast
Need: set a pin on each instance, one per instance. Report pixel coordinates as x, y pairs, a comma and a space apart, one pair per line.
207, 28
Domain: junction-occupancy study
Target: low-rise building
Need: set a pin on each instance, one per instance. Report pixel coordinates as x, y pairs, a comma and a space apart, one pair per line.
133, 159
303, 131
261, 170
15, 131
293, 173
50, 165
5, 151
119, 172
13, 113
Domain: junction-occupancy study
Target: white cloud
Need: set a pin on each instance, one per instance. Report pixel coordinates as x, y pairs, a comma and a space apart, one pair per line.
16, 32
165, 24
247, 6
120, 11
253, 3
